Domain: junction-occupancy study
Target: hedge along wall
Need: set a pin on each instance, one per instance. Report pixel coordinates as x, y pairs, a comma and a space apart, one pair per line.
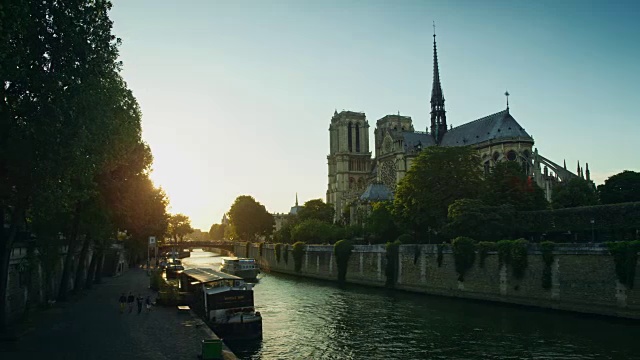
583, 277
612, 221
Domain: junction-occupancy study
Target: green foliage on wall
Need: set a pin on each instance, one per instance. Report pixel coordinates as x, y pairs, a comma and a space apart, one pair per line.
519, 257
416, 253
278, 250
504, 252
464, 254
298, 251
260, 249
546, 248
285, 253
342, 250
247, 249
483, 250
514, 253
440, 254
625, 256
391, 270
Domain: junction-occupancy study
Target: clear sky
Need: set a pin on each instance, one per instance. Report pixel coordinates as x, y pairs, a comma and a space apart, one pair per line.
237, 96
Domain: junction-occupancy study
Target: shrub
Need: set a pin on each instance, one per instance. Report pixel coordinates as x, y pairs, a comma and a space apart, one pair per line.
342, 249
464, 254
391, 270
278, 250
519, 257
298, 251
155, 280
440, 254
625, 257
405, 239
546, 248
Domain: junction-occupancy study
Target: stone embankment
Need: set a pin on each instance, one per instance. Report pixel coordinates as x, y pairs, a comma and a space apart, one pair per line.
92, 327
582, 277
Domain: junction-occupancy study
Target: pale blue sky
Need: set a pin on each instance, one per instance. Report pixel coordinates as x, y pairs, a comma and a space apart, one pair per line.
237, 95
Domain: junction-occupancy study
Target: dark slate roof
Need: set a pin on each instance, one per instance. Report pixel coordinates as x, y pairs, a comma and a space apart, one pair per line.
416, 141
498, 126
376, 192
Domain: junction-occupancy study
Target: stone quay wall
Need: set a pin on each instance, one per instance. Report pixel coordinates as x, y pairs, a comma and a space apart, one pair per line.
583, 277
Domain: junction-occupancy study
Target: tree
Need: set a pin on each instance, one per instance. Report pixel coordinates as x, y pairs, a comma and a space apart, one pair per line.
573, 193
249, 219
619, 188
314, 231
316, 209
217, 231
507, 184
179, 226
438, 177
380, 224
473, 218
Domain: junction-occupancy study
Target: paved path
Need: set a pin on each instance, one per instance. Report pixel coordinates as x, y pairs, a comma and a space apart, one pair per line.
92, 327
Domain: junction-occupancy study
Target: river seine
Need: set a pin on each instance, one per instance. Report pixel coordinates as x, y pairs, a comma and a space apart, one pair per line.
312, 319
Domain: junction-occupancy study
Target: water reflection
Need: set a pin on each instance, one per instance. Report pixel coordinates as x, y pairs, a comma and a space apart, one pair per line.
311, 319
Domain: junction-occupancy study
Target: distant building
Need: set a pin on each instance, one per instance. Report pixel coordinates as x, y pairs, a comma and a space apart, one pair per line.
281, 218
357, 178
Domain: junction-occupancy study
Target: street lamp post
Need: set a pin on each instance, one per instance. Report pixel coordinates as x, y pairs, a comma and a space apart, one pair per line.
592, 231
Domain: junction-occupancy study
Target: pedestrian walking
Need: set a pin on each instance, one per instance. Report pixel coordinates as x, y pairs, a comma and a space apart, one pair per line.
130, 300
140, 299
148, 302
123, 301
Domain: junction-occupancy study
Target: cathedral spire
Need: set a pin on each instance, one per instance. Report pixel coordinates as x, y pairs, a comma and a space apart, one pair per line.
296, 199
438, 114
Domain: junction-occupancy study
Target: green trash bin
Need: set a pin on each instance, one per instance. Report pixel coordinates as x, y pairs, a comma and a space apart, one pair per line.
211, 349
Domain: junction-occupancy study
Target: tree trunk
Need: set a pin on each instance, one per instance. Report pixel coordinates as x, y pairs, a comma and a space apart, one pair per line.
66, 269
91, 273
7, 238
79, 280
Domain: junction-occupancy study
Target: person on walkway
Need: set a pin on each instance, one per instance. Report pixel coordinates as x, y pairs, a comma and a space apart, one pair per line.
130, 300
123, 301
148, 302
140, 299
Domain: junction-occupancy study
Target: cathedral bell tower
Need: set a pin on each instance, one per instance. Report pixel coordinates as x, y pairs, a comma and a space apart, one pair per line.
438, 114
349, 158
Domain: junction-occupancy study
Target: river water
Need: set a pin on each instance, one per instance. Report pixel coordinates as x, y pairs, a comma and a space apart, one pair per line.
312, 319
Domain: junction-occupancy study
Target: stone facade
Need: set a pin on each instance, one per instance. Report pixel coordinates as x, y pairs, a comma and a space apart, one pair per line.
583, 277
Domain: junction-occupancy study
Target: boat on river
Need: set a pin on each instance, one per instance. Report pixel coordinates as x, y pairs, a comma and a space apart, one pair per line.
225, 301
245, 268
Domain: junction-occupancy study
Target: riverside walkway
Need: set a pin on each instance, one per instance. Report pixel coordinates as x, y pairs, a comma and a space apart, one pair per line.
92, 327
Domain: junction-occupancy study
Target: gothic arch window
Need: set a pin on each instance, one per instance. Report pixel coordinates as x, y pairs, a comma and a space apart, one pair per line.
349, 136
511, 155
352, 183
496, 156
357, 138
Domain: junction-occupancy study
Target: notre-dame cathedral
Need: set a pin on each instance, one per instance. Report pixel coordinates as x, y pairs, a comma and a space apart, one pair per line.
357, 178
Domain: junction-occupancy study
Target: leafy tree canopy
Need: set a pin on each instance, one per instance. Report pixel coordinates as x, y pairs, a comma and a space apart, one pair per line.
179, 226
619, 188
573, 193
216, 232
438, 177
471, 217
314, 231
507, 184
316, 209
249, 219
380, 225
